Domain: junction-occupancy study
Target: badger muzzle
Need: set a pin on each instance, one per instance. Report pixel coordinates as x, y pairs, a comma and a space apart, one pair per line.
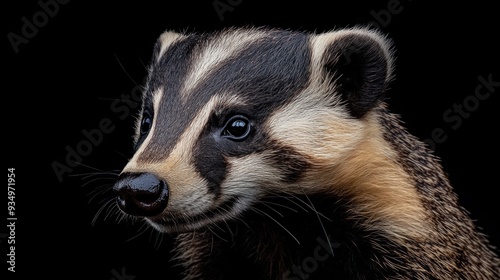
141, 194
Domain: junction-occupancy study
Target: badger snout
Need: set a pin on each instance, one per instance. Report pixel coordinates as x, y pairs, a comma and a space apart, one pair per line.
141, 194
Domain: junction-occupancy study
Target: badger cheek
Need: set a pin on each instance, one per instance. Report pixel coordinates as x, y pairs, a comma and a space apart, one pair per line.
250, 176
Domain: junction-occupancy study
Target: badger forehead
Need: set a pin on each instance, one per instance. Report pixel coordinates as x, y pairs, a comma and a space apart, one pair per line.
261, 69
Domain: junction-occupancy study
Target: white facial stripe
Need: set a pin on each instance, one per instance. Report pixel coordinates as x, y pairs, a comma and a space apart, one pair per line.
217, 52
184, 147
247, 174
311, 127
167, 39
132, 164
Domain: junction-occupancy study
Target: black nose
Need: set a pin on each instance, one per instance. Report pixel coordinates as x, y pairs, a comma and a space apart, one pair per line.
141, 194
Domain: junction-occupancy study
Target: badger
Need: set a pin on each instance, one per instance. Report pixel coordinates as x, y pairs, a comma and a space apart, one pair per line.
271, 154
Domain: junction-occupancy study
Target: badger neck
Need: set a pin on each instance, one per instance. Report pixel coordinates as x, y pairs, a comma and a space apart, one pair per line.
380, 190
396, 199
386, 211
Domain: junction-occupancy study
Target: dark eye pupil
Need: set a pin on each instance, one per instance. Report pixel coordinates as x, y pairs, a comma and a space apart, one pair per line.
145, 124
237, 128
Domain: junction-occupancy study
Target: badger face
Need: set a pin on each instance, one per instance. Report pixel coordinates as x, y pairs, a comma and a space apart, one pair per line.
230, 117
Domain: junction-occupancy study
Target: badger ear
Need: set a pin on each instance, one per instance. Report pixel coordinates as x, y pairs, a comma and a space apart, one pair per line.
166, 39
358, 64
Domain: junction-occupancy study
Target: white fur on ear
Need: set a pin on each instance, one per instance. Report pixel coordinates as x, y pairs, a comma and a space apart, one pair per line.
323, 40
358, 62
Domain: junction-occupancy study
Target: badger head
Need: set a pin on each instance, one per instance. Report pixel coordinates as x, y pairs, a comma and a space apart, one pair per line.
231, 117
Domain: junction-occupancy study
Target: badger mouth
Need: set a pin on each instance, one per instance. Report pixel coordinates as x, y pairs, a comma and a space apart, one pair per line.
172, 222
146, 196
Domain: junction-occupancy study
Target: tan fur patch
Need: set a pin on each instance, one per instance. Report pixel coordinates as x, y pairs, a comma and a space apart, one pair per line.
351, 157
379, 189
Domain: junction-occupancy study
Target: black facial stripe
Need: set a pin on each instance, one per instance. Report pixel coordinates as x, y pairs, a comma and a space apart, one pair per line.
146, 107
210, 163
168, 74
291, 163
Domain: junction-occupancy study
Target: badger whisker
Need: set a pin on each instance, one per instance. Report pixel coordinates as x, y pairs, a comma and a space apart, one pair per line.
278, 223
125, 71
228, 227
111, 211
91, 168
142, 229
99, 191
107, 204
265, 203
215, 233
158, 239
87, 175
319, 219
98, 179
287, 196
310, 206
283, 205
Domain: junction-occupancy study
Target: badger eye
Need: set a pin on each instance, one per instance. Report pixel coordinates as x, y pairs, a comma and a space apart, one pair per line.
237, 128
146, 123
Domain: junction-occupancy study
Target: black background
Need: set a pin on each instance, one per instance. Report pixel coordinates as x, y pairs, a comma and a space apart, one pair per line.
66, 77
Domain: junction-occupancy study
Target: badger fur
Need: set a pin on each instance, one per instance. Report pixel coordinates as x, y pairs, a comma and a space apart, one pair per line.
270, 154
